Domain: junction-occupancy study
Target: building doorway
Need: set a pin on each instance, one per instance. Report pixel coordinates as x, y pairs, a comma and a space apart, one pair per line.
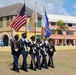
69, 41
5, 40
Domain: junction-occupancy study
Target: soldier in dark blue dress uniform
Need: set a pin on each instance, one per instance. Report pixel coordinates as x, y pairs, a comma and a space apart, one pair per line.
15, 47
33, 53
24, 50
51, 51
44, 54
38, 53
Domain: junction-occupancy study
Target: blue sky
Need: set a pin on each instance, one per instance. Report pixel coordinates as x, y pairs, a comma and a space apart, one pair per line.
70, 6
60, 7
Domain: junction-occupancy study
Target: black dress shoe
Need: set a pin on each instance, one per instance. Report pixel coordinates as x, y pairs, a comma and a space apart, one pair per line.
39, 68
17, 71
34, 69
13, 69
52, 66
46, 68
26, 70
22, 69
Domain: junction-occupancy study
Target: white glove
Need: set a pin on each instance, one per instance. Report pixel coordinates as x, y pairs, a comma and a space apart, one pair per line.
55, 53
16, 50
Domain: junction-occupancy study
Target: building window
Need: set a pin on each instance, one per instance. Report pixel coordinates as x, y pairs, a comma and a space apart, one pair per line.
69, 25
1, 22
52, 31
38, 36
39, 23
70, 32
11, 18
53, 23
7, 20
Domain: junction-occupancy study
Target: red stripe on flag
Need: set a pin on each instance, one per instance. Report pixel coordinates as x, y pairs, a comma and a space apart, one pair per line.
19, 26
19, 23
12, 23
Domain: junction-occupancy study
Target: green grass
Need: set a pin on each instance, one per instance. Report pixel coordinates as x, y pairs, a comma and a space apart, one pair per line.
65, 64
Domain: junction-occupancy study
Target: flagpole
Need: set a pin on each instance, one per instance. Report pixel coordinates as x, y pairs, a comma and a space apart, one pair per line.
43, 27
25, 25
34, 18
44, 10
13, 33
35, 31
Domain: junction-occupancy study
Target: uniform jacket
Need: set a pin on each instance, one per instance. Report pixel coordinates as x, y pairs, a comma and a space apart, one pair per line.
51, 49
15, 47
23, 44
32, 47
38, 49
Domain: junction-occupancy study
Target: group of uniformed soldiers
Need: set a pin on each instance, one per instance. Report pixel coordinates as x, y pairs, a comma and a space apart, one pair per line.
38, 49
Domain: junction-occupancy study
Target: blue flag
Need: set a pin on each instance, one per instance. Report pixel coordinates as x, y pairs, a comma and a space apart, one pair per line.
48, 30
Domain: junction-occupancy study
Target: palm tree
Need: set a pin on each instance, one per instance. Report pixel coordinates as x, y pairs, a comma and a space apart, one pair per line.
61, 27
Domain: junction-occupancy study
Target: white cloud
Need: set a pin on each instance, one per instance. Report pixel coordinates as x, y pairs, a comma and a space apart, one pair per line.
74, 13
61, 10
52, 6
74, 5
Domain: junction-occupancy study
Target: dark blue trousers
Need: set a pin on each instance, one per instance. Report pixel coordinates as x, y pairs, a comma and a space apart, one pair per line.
24, 64
33, 61
50, 61
44, 61
38, 64
15, 63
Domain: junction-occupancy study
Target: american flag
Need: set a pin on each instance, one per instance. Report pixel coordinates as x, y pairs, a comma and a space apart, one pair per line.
20, 20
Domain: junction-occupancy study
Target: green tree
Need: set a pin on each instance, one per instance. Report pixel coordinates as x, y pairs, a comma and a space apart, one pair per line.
61, 27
